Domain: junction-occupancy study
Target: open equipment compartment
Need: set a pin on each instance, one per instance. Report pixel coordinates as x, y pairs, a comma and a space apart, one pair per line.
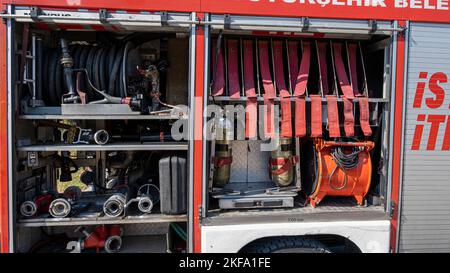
97, 93
330, 80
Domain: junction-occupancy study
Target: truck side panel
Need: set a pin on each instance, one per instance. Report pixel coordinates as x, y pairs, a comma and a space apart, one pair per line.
425, 216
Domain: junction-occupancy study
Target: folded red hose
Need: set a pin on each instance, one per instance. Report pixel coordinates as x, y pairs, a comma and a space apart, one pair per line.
301, 81
233, 70
249, 87
218, 71
269, 90
285, 96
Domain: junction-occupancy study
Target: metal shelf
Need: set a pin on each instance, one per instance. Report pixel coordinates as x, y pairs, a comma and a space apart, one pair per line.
95, 219
129, 146
260, 98
103, 117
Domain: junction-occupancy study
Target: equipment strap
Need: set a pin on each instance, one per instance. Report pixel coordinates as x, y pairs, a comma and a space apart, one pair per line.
300, 117
322, 51
302, 77
363, 100
286, 164
364, 116
233, 70
340, 71
301, 80
218, 76
249, 86
285, 96
349, 119
219, 162
333, 116
293, 62
316, 115
269, 91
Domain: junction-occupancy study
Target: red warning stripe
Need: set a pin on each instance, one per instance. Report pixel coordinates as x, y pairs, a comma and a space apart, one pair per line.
301, 80
269, 91
285, 96
316, 115
218, 76
249, 86
233, 70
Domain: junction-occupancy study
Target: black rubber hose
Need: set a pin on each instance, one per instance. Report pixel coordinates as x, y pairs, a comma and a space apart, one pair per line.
44, 76
96, 70
123, 73
76, 56
103, 73
89, 62
59, 85
83, 58
39, 56
54, 62
114, 75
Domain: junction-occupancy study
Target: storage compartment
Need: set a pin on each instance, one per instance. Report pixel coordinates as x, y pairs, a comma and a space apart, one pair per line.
299, 125
93, 111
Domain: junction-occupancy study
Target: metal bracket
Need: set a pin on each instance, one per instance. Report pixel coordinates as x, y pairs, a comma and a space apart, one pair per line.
373, 26
102, 16
305, 24
34, 13
164, 18
32, 159
227, 21
393, 207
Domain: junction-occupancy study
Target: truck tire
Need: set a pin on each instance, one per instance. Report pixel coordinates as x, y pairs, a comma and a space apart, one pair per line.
287, 245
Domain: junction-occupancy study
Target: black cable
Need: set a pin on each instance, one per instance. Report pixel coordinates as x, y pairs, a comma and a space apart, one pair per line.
344, 161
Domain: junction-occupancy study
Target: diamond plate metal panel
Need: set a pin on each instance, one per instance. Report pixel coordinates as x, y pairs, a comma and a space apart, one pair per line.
257, 162
249, 162
239, 164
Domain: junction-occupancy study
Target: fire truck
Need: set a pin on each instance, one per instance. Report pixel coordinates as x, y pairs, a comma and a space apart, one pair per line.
237, 126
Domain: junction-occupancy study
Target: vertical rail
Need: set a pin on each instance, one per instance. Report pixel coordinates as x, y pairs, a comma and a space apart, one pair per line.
190, 161
397, 134
4, 206
197, 113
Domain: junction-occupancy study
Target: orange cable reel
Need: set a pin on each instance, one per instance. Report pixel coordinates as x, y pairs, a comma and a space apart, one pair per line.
344, 169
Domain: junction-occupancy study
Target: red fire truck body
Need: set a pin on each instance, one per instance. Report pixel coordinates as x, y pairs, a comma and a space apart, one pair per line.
413, 212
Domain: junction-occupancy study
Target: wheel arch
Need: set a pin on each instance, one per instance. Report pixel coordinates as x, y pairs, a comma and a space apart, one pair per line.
334, 242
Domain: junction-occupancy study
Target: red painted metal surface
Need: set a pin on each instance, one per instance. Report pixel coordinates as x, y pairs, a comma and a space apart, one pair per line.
423, 10
198, 133
4, 237
398, 131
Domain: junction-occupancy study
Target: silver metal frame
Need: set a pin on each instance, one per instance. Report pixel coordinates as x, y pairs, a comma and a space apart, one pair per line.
192, 48
267, 23
137, 146
206, 172
123, 19
402, 146
391, 119
10, 140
